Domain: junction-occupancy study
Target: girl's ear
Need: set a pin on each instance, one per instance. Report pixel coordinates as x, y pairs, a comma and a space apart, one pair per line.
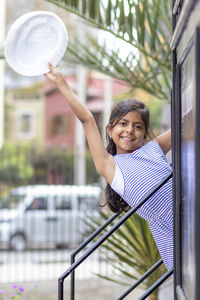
108, 130
145, 135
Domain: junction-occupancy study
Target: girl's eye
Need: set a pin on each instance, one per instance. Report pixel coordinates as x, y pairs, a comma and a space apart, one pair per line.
139, 127
123, 123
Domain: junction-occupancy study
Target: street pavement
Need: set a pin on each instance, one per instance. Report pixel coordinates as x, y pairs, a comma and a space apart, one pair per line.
37, 272
95, 289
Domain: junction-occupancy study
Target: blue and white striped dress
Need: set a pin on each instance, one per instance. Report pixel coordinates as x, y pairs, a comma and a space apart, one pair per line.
140, 171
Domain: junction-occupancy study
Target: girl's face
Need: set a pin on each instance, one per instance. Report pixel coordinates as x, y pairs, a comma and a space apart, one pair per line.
129, 133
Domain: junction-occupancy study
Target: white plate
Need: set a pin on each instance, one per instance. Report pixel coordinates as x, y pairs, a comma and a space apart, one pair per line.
33, 40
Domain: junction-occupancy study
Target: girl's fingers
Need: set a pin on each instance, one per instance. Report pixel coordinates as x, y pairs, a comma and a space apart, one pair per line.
54, 69
50, 76
54, 72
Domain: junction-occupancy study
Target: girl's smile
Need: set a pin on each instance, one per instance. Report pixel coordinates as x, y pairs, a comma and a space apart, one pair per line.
129, 133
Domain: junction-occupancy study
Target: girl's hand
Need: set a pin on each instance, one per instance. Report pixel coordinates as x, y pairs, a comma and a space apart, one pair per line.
55, 74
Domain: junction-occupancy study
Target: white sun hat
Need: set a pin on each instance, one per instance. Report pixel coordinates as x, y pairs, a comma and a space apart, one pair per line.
34, 40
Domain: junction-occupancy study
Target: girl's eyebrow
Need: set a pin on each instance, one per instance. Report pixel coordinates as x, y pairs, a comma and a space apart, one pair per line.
137, 122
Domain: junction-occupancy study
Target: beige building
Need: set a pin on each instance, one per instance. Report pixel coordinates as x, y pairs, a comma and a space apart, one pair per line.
25, 115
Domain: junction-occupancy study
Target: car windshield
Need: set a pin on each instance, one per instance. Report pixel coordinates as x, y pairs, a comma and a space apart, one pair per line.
11, 201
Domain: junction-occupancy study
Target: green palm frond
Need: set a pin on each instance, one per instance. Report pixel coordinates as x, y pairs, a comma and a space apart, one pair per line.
143, 24
130, 69
131, 250
120, 17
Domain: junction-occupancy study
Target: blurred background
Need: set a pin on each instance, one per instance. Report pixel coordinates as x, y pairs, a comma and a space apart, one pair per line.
41, 142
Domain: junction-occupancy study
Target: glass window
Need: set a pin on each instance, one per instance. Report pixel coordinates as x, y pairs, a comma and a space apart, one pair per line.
38, 203
60, 125
63, 202
11, 201
25, 128
188, 173
87, 202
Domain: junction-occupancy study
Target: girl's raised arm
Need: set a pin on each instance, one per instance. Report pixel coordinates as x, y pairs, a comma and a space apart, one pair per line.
104, 162
164, 140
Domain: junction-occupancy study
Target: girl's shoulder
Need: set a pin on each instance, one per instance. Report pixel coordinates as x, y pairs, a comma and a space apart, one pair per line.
153, 147
152, 144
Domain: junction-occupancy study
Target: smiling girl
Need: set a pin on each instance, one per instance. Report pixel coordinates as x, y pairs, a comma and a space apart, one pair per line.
131, 165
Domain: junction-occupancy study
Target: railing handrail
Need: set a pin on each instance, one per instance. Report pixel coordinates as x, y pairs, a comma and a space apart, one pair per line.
142, 278
106, 235
156, 284
94, 234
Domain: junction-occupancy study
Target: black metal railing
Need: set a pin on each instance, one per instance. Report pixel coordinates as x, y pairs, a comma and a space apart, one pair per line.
156, 284
83, 245
104, 237
141, 279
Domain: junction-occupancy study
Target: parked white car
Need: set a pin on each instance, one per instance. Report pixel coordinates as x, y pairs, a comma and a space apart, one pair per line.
48, 215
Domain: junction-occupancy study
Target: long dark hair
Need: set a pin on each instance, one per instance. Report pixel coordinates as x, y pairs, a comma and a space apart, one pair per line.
113, 200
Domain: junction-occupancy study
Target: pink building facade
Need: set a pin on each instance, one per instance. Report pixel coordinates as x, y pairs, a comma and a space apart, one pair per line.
60, 120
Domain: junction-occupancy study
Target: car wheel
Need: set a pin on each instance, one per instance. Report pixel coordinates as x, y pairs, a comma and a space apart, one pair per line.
18, 242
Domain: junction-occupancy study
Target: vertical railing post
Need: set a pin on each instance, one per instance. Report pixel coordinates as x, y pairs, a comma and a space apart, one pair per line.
83, 245
72, 283
60, 288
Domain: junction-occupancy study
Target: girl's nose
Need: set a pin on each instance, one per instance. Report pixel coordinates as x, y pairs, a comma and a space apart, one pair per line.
130, 129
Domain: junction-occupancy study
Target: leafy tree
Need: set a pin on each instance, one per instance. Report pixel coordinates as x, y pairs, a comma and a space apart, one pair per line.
142, 25
22, 165
61, 161
92, 175
15, 164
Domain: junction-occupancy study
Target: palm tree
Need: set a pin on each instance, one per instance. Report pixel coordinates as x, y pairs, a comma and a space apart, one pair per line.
143, 25
131, 251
